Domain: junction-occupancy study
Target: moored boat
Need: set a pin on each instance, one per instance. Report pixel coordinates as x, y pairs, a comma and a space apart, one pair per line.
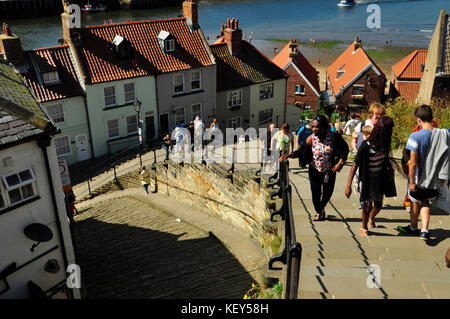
346, 3
89, 8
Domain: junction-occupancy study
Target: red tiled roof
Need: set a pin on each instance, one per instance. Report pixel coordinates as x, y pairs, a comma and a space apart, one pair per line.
102, 65
282, 59
352, 62
408, 90
248, 67
410, 66
49, 60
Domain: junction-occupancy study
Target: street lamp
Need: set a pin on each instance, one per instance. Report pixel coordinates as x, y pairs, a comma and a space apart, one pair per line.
137, 107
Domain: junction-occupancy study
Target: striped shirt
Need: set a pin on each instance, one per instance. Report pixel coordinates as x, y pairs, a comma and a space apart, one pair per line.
376, 159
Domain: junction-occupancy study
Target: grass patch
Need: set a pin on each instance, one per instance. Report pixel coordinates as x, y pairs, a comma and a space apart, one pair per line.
386, 54
322, 44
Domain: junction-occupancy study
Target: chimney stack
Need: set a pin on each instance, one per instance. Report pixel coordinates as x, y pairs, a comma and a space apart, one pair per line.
358, 43
11, 47
293, 52
233, 35
190, 10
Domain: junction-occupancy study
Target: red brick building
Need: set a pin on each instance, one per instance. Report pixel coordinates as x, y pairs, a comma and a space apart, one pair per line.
303, 90
406, 76
354, 80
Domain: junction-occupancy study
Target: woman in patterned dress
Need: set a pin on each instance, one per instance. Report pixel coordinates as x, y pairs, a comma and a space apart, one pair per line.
329, 153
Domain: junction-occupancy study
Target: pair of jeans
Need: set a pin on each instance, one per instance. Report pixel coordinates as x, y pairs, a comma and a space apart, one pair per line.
321, 191
166, 148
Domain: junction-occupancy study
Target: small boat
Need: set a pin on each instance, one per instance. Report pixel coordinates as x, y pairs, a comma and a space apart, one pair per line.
346, 3
89, 8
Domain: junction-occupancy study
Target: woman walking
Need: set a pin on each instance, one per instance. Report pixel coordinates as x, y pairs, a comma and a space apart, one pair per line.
284, 139
375, 173
326, 153
144, 177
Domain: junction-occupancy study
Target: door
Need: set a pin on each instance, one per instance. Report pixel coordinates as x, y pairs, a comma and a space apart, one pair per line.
81, 143
164, 123
149, 128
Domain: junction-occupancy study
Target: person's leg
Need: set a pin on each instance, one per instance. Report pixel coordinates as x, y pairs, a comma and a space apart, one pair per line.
328, 189
315, 182
146, 188
376, 207
425, 215
414, 214
365, 218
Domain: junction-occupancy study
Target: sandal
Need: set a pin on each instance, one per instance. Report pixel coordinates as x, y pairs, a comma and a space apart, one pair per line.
319, 217
363, 232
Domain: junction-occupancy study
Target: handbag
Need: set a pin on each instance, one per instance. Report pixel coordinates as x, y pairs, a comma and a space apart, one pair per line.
389, 179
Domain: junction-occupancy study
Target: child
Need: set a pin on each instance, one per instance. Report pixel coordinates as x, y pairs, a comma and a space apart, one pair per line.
144, 178
366, 130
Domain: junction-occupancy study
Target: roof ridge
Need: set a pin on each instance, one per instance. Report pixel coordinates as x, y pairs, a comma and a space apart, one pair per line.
49, 48
93, 26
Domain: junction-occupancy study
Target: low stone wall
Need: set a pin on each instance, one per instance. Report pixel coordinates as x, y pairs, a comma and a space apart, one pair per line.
241, 203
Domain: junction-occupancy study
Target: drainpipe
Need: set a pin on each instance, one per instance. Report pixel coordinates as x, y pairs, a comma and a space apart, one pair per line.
89, 126
43, 144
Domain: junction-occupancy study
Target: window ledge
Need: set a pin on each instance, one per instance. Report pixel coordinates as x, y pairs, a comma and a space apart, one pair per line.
23, 203
300, 94
188, 93
117, 106
234, 107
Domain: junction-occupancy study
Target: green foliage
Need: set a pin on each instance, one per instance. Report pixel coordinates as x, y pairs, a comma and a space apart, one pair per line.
263, 292
402, 113
306, 114
337, 116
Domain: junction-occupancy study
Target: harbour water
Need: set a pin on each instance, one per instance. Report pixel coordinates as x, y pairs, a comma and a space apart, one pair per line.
405, 23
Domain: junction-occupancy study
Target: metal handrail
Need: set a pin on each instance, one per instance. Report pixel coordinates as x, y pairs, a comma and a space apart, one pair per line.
292, 252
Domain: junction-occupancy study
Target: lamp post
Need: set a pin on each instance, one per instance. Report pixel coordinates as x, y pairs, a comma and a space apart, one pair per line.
137, 107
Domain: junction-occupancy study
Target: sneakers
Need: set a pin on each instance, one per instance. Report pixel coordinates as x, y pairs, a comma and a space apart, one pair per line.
408, 230
425, 236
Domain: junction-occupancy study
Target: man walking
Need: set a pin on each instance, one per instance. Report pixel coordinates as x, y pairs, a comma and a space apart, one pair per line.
428, 169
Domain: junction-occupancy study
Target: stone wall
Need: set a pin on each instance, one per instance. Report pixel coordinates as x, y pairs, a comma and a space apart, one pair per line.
241, 203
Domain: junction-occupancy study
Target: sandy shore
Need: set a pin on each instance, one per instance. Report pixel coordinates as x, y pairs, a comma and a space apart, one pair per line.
384, 56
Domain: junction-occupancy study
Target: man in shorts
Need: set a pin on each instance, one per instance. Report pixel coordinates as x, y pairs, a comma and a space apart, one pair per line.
428, 168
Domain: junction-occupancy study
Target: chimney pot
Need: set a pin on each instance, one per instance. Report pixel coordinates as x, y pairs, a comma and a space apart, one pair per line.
233, 35
190, 9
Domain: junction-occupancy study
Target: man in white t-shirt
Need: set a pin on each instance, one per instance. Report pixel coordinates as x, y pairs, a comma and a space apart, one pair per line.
351, 124
376, 113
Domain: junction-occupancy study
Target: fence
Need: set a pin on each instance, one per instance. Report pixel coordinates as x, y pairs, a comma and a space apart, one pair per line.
292, 252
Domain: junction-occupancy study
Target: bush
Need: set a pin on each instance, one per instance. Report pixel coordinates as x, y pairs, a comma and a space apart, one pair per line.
309, 114
402, 113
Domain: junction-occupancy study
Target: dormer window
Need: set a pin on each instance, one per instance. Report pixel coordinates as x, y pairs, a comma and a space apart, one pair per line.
340, 72
122, 48
50, 77
166, 41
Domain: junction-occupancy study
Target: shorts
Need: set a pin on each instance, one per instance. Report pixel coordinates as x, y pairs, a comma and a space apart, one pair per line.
421, 194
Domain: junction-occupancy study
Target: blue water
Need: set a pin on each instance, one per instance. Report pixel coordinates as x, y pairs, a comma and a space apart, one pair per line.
405, 23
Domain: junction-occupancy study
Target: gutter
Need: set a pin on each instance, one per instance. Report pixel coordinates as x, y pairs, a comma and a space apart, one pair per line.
43, 143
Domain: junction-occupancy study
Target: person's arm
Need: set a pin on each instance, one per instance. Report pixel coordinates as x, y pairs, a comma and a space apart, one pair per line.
292, 143
354, 141
412, 171
348, 187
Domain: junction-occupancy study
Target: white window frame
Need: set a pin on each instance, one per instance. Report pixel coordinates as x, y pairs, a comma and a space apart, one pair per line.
66, 137
169, 45
109, 96
50, 77
233, 97
129, 92
109, 129
266, 87
237, 120
53, 114
359, 86
20, 186
268, 119
184, 115
193, 115
128, 124
175, 76
298, 91
199, 80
